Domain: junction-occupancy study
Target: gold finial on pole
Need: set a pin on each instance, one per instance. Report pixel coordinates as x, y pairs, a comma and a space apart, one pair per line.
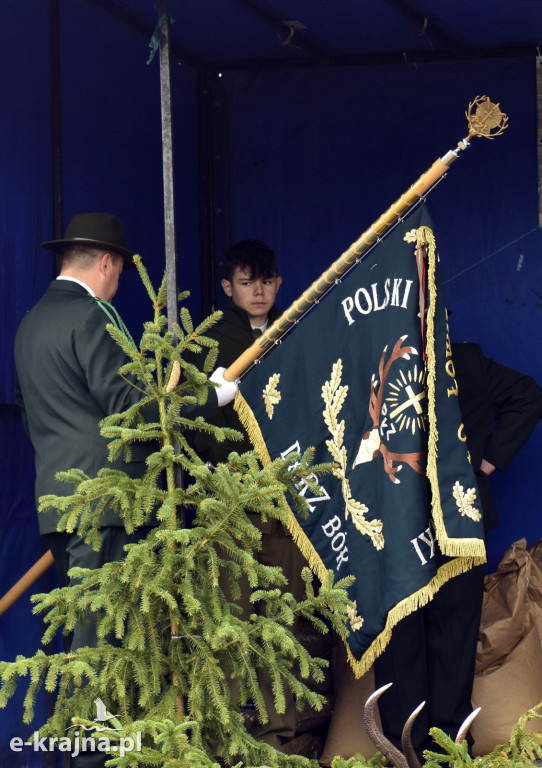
487, 120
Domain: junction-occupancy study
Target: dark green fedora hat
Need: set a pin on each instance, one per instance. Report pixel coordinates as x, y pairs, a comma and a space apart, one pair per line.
98, 230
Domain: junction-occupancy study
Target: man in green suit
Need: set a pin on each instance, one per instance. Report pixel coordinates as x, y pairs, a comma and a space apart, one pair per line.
67, 382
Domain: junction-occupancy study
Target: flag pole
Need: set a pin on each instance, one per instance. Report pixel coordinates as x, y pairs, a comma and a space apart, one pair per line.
484, 119
26, 581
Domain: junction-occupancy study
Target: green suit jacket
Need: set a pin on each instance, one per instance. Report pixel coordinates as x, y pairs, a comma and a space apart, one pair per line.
67, 382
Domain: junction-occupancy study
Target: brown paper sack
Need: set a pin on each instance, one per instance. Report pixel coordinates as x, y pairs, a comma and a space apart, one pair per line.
505, 693
347, 735
505, 608
534, 589
508, 679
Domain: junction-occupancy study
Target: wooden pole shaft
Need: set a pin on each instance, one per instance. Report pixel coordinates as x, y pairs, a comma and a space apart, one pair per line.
26, 581
320, 286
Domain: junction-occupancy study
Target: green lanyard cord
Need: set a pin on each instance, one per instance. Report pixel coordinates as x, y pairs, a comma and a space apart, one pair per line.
116, 320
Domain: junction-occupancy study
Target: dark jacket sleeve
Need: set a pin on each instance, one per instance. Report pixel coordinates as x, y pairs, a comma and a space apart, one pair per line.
517, 403
500, 408
234, 335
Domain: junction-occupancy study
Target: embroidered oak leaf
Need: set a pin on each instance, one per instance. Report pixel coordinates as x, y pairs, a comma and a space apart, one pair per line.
356, 621
465, 501
271, 395
372, 528
334, 394
411, 236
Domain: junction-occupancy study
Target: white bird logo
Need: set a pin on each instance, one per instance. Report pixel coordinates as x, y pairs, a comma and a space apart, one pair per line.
101, 711
102, 716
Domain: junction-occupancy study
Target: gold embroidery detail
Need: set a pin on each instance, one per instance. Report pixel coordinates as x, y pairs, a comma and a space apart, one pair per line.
271, 395
465, 501
334, 396
407, 396
356, 621
411, 236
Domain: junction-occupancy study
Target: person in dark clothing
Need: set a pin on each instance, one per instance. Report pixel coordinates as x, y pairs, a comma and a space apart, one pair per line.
431, 656
67, 367
67, 374
252, 282
500, 409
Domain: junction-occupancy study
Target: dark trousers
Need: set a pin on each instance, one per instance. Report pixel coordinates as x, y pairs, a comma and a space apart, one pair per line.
278, 549
431, 658
70, 551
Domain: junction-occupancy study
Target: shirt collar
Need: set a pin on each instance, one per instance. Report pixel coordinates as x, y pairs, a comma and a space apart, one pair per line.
79, 282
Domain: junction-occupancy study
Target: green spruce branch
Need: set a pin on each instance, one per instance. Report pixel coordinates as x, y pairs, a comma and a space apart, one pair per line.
172, 646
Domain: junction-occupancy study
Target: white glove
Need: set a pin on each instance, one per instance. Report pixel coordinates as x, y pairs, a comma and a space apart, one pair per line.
225, 390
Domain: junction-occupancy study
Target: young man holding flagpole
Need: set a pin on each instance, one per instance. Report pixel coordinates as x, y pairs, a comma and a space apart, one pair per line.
251, 283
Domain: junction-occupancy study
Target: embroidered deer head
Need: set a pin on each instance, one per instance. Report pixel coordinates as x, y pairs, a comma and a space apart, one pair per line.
371, 443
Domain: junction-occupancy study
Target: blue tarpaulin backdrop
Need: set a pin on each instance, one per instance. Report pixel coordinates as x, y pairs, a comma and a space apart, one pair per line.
305, 158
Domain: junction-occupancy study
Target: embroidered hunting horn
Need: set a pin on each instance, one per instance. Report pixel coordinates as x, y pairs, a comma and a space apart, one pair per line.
484, 119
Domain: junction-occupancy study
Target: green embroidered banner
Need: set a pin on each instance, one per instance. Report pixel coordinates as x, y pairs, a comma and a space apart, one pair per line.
367, 378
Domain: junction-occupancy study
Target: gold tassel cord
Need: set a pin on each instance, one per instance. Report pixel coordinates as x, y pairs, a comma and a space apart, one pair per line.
474, 548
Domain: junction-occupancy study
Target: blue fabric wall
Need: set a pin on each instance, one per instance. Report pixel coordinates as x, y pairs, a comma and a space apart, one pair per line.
25, 214
112, 150
20, 547
25, 163
112, 161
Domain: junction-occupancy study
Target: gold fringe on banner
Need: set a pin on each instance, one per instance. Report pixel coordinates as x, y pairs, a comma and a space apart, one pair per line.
402, 610
467, 552
252, 428
472, 549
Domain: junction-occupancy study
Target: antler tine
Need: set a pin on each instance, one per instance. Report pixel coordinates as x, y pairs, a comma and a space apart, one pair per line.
462, 732
376, 735
406, 740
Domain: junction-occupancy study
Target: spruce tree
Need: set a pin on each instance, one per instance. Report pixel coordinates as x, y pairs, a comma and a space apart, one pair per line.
170, 642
